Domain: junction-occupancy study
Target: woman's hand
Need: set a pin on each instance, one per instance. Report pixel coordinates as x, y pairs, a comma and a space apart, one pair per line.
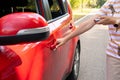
106, 20
60, 42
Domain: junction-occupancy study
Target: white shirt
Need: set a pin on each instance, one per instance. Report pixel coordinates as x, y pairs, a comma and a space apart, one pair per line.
112, 48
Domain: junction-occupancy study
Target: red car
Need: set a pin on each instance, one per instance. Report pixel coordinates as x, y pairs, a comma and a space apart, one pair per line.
28, 31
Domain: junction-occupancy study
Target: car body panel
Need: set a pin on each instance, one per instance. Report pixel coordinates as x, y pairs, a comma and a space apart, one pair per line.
37, 60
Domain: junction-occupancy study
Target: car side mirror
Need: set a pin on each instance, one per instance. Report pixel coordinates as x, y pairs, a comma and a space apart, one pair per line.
23, 28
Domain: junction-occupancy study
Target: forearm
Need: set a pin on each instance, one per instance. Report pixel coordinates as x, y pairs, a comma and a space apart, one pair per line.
83, 27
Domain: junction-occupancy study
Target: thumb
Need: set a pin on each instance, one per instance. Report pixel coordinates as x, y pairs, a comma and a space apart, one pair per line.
102, 17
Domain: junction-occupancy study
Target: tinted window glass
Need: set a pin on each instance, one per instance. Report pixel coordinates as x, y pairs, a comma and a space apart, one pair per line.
11, 6
56, 8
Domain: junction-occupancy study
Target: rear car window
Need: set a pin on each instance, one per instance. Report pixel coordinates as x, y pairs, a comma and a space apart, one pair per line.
11, 6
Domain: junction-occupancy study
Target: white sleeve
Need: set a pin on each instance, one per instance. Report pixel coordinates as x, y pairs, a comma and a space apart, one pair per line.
104, 9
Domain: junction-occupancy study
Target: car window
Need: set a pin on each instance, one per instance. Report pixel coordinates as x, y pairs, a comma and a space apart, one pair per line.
56, 8
11, 6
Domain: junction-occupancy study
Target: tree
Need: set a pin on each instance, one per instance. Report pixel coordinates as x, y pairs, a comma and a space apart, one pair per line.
86, 3
75, 3
100, 2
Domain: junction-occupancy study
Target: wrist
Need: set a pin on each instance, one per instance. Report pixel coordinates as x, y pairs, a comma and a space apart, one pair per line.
117, 23
66, 39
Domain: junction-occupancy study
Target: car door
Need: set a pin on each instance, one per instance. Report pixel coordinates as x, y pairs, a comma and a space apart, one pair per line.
58, 15
39, 60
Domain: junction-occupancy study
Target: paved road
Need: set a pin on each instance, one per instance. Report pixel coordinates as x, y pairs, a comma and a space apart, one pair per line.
93, 45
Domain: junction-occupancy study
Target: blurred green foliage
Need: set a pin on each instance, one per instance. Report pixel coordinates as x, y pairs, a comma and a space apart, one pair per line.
87, 3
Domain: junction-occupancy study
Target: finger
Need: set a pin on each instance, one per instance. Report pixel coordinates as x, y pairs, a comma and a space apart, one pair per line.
60, 42
102, 17
100, 22
58, 45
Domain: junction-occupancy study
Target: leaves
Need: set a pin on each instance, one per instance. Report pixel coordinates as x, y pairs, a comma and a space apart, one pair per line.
87, 3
